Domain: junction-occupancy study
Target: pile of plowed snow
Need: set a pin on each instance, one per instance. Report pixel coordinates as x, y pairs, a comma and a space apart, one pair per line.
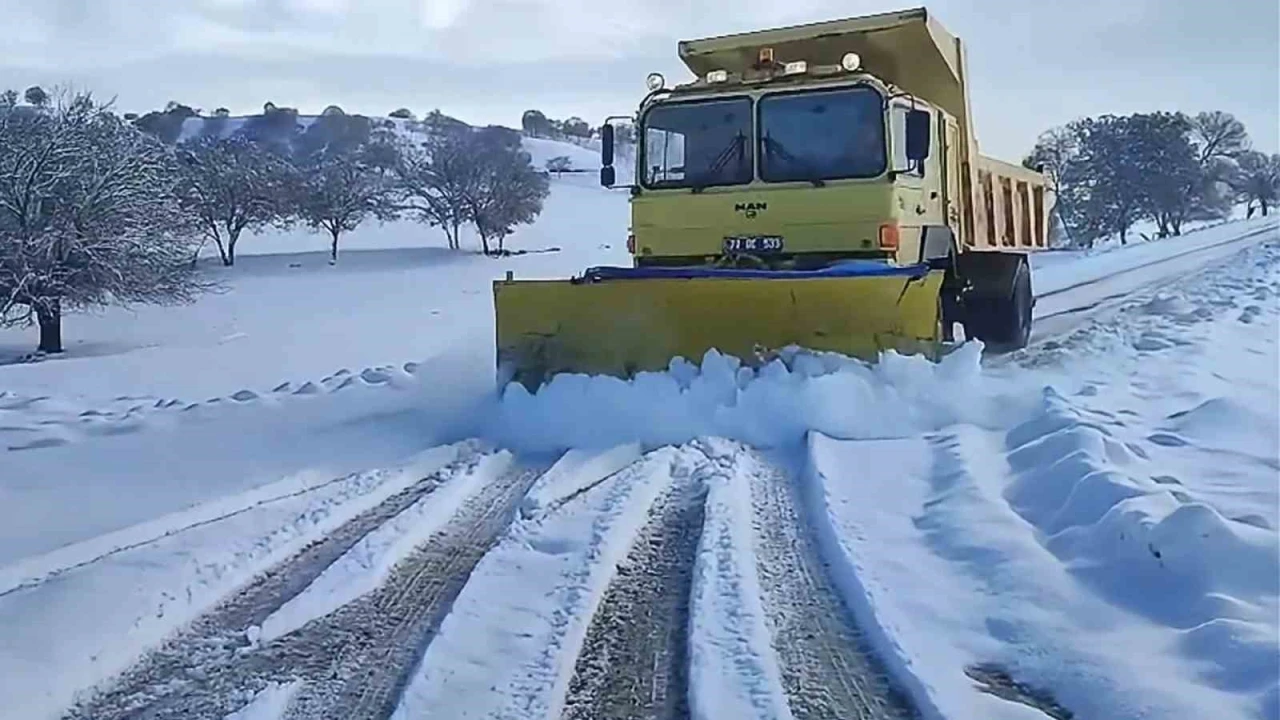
767, 407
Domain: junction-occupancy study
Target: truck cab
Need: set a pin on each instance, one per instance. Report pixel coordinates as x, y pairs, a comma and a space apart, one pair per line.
792, 168
797, 147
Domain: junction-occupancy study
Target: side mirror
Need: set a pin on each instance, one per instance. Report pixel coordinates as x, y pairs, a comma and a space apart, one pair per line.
606, 145
918, 134
607, 176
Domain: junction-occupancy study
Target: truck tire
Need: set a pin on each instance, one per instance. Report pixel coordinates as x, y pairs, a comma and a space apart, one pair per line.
1002, 322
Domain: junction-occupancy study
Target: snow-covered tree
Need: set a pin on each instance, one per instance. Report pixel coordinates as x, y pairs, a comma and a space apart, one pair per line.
559, 165
36, 96
1258, 180
508, 191
231, 185
461, 176
432, 179
89, 215
1218, 134
535, 123
338, 192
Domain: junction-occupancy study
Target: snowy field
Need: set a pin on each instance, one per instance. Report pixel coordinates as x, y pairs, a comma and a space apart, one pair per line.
303, 495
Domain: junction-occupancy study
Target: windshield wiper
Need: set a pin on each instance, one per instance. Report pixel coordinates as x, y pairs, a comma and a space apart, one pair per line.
812, 174
736, 147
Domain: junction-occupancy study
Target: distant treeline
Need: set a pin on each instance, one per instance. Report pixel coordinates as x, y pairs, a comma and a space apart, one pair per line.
1110, 172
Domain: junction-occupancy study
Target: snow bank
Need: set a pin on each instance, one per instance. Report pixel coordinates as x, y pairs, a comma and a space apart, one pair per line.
769, 407
945, 576
1062, 270
367, 564
183, 456
834, 483
573, 474
1150, 548
269, 704
508, 646
733, 671
32, 571
90, 622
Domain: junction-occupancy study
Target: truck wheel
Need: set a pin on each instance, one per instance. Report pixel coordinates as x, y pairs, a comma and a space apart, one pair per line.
1003, 323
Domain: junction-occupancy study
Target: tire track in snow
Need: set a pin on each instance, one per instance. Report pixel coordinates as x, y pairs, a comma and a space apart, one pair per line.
212, 668
633, 659
829, 670
396, 622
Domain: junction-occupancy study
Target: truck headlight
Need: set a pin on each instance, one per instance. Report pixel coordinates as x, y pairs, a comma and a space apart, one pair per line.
655, 81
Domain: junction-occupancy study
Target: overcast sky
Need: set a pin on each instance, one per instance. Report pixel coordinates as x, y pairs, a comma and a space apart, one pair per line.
1034, 63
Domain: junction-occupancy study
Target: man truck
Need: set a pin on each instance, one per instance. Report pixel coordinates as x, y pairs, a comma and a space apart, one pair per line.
815, 186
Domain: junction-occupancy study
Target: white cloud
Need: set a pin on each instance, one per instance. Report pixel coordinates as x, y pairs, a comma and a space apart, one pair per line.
1033, 64
441, 14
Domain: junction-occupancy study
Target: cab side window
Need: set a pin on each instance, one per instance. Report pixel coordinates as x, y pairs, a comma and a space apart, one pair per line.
898, 131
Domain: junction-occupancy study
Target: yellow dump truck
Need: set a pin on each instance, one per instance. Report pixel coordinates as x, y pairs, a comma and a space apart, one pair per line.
817, 186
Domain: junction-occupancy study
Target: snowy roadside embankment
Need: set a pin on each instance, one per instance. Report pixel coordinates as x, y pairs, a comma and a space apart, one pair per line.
65, 631
1056, 271
508, 646
1115, 550
182, 458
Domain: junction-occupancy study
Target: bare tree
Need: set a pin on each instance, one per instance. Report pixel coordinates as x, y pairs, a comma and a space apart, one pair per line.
1218, 134
1055, 154
559, 165
337, 194
508, 190
432, 181
231, 185
89, 215
1258, 180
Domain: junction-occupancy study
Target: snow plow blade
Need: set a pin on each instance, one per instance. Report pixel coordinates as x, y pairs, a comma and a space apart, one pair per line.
619, 321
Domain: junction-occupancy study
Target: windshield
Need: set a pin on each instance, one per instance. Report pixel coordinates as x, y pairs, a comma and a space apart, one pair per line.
825, 135
698, 144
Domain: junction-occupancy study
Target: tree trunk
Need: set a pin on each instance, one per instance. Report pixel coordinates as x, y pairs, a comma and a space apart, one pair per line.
222, 251
231, 249
49, 316
1265, 209
333, 246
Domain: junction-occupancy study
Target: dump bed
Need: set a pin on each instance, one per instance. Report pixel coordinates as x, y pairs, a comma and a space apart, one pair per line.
1012, 208
907, 48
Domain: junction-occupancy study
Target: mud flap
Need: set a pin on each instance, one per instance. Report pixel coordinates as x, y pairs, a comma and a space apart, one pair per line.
623, 326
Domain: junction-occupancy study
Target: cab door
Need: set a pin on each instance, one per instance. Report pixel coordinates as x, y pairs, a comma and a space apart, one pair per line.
952, 192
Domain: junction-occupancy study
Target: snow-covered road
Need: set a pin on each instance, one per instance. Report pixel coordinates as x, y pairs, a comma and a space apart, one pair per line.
1087, 527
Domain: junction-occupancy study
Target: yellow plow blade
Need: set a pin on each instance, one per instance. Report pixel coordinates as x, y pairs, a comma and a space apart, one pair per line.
620, 327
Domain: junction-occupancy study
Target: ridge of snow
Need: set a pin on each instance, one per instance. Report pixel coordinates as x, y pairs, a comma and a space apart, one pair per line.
508, 645
366, 565
733, 670
141, 595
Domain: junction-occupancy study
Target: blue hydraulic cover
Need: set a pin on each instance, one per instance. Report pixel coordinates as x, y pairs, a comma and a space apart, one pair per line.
845, 269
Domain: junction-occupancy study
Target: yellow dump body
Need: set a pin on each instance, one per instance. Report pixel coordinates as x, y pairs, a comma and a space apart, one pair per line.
619, 327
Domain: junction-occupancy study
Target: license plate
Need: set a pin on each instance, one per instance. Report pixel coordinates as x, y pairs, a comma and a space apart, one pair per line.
753, 243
